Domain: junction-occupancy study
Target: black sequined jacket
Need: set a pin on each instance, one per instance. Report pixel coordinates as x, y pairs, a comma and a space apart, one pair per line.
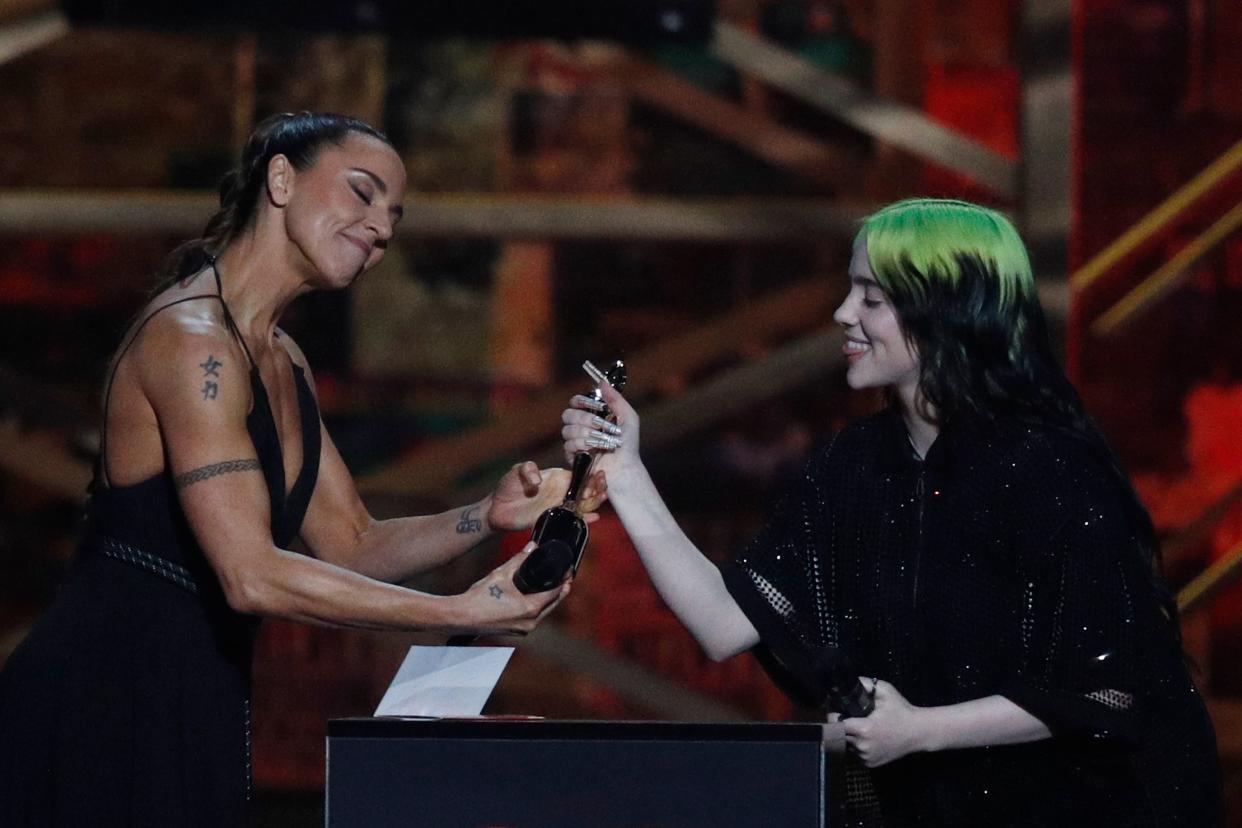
1002, 564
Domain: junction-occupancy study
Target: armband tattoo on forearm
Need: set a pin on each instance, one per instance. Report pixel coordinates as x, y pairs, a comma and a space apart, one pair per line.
207, 472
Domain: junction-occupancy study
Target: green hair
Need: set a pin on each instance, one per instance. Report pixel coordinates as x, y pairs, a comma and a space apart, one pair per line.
924, 240
960, 281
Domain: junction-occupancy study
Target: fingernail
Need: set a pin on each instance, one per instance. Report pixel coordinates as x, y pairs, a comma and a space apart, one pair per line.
594, 373
588, 403
604, 425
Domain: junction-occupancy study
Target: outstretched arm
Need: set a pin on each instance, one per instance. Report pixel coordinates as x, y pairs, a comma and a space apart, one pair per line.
688, 582
339, 529
225, 499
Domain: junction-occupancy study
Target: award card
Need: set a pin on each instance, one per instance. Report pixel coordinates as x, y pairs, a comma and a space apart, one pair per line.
444, 681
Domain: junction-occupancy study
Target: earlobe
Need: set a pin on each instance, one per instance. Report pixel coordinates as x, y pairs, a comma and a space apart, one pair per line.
279, 180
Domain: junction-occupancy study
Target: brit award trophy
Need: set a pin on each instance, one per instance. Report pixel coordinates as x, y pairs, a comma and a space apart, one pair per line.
560, 533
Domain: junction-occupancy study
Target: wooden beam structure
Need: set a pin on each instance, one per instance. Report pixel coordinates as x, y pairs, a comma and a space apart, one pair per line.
462, 216
436, 468
16, 10
895, 124
753, 131
19, 35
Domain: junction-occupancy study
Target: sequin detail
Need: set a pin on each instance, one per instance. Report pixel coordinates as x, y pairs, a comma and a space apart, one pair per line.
1004, 564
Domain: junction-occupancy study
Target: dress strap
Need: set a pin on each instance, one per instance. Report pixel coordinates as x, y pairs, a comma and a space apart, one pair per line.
116, 363
298, 501
228, 320
228, 317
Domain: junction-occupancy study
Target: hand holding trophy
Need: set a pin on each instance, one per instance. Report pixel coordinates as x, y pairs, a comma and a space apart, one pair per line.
560, 533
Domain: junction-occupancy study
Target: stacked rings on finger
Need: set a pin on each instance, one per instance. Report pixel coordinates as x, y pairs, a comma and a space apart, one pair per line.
608, 428
604, 441
588, 403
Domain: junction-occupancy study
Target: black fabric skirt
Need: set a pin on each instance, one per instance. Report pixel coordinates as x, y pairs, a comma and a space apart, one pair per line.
127, 705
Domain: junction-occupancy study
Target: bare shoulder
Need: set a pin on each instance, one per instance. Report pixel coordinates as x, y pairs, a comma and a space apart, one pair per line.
187, 353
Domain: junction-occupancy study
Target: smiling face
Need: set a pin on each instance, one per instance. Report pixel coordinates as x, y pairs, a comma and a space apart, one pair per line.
875, 346
340, 212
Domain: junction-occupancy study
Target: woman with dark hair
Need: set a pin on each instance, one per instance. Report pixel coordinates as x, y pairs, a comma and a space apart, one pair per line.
128, 703
974, 548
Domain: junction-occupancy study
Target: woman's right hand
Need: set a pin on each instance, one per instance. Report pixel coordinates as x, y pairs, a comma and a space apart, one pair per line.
494, 606
615, 443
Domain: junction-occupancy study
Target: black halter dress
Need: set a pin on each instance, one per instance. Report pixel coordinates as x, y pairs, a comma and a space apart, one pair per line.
129, 701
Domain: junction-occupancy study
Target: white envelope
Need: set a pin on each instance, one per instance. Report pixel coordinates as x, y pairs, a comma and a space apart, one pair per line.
444, 681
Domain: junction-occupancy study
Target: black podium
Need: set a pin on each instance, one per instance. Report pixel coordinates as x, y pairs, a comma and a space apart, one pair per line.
483, 773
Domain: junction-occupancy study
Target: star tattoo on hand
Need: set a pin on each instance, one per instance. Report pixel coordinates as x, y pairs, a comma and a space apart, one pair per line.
495, 591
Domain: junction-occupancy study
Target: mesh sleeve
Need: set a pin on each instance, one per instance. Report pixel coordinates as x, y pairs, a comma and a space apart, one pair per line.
778, 581
1082, 613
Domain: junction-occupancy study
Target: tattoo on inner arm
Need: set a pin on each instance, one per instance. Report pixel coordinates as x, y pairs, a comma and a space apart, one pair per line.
207, 472
467, 523
211, 368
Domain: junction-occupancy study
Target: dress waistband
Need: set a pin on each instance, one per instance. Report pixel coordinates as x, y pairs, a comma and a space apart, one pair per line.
174, 573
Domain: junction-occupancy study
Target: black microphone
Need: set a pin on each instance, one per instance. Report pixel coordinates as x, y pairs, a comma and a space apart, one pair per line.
843, 690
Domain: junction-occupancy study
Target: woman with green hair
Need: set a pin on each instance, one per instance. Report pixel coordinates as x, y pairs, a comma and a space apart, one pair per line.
974, 548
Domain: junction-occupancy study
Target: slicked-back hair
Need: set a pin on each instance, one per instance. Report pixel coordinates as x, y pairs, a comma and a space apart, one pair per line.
299, 136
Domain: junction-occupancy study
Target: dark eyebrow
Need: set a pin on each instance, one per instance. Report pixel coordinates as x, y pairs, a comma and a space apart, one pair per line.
397, 210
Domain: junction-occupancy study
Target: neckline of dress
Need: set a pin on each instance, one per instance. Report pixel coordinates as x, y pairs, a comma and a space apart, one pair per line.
302, 389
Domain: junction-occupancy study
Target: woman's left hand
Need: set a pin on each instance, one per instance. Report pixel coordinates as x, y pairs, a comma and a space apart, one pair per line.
894, 729
526, 491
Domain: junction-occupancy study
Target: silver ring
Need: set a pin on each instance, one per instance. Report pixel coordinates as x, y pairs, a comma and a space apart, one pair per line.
589, 404
602, 441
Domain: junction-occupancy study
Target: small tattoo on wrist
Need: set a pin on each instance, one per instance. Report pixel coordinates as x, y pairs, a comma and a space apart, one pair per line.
495, 591
467, 523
